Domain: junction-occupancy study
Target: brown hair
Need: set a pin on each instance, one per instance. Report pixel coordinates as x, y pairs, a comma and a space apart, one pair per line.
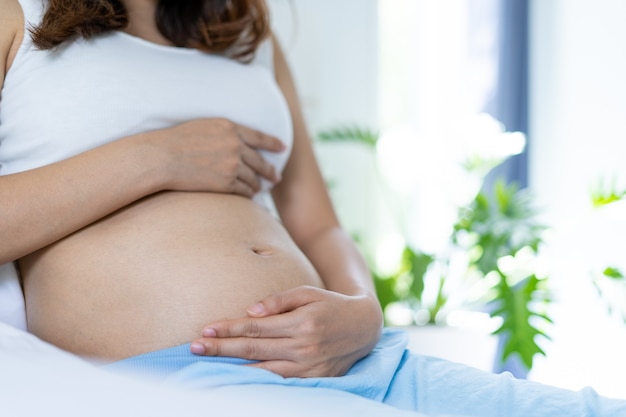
231, 27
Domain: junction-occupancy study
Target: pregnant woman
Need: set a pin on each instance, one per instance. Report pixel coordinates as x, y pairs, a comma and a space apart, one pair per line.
161, 200
138, 147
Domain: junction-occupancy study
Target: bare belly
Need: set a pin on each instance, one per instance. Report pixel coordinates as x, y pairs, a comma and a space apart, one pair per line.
153, 274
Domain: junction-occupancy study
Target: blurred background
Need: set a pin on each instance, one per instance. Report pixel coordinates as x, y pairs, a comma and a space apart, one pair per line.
412, 102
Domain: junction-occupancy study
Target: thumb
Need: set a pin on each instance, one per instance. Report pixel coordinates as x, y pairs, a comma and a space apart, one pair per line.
284, 301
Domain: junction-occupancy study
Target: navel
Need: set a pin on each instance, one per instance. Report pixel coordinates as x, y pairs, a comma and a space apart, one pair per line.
262, 251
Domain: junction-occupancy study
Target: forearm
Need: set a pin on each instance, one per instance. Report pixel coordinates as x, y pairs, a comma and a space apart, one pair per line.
339, 263
343, 270
43, 205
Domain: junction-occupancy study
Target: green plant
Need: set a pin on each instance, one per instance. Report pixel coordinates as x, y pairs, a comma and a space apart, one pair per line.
491, 230
496, 229
503, 226
349, 134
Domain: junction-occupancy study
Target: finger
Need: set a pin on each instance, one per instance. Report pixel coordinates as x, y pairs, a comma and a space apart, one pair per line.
246, 175
278, 326
260, 140
243, 189
259, 165
247, 348
285, 301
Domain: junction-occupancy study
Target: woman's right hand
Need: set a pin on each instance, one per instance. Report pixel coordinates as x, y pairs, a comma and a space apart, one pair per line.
217, 155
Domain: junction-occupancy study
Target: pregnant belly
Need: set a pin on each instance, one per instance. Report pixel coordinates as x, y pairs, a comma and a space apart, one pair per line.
153, 274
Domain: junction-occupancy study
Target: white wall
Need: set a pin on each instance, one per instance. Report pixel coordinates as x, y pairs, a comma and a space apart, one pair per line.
331, 47
578, 98
578, 134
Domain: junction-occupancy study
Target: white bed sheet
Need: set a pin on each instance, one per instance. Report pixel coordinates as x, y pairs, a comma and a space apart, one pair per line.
37, 379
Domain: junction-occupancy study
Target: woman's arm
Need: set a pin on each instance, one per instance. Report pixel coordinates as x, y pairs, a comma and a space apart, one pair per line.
305, 331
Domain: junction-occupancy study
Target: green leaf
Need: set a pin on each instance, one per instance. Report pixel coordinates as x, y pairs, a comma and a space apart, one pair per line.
613, 273
614, 305
417, 264
385, 290
349, 134
602, 194
513, 305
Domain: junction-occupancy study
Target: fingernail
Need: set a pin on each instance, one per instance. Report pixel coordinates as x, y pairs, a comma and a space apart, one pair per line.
197, 348
256, 309
209, 332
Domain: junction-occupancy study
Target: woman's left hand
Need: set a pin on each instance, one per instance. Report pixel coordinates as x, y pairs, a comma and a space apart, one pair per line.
302, 332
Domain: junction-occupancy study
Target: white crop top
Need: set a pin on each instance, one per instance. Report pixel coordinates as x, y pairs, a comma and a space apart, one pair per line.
56, 104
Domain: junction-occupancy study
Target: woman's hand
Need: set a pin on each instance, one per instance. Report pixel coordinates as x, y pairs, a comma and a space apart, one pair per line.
216, 155
302, 332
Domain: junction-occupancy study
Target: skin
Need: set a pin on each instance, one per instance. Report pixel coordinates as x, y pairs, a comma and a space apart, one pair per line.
293, 332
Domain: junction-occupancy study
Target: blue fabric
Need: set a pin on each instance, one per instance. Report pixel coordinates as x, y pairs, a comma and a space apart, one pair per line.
394, 376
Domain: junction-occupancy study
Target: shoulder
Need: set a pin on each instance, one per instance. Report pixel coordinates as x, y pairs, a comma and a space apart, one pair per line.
11, 20
11, 31
9, 9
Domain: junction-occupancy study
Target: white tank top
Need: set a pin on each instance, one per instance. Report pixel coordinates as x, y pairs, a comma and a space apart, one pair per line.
56, 104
